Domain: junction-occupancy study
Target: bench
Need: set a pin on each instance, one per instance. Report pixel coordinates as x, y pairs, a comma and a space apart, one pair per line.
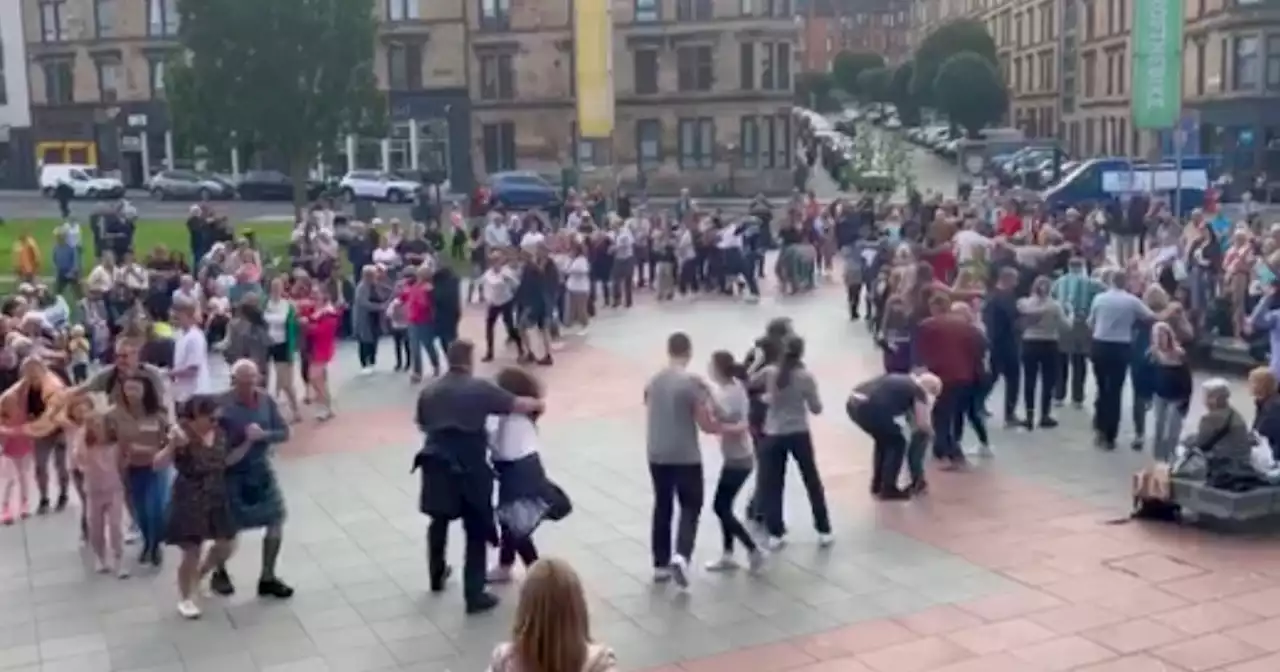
1253, 506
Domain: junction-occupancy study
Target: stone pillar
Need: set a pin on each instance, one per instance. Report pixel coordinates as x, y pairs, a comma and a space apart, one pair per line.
385, 146
144, 145
168, 150
235, 162
351, 153
413, 144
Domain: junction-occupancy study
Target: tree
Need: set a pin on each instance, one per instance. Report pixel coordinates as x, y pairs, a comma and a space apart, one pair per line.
961, 35
873, 85
284, 77
900, 94
814, 90
849, 64
970, 91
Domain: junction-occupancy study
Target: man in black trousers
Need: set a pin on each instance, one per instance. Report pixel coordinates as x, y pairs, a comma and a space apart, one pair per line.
457, 481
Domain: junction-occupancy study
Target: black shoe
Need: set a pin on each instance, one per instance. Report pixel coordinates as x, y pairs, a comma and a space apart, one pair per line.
893, 494
274, 588
482, 603
437, 583
1011, 421
1048, 423
62, 502
487, 358
144, 558
43, 508
546, 361
918, 487
157, 557
220, 583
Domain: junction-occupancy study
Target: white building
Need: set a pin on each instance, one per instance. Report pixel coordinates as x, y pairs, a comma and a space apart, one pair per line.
16, 150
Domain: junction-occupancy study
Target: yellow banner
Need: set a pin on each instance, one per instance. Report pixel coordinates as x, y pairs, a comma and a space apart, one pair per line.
593, 61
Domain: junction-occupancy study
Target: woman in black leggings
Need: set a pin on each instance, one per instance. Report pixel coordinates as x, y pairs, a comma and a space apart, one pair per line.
731, 406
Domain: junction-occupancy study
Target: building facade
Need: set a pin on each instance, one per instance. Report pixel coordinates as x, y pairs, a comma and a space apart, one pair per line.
15, 104
703, 90
879, 26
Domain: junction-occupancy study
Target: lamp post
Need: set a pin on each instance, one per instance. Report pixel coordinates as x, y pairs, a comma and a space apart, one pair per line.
732, 165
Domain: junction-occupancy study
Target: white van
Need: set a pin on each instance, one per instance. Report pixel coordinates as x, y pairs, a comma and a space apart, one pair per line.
85, 181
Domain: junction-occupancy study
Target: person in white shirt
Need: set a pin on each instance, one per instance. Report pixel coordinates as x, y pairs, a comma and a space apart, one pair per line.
102, 277
71, 230
622, 282
386, 255
733, 263
498, 287
496, 234
577, 285
132, 275
190, 356
525, 496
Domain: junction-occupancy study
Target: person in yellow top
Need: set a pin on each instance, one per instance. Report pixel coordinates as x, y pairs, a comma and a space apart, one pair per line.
26, 257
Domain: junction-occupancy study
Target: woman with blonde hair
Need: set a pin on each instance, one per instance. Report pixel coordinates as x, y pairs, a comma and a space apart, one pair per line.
552, 630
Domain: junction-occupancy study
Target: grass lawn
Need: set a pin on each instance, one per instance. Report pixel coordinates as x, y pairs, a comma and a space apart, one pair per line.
273, 237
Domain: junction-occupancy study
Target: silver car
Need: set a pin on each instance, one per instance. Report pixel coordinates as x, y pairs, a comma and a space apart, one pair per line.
189, 185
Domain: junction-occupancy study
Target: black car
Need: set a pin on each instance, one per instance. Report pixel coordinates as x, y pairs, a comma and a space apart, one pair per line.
273, 185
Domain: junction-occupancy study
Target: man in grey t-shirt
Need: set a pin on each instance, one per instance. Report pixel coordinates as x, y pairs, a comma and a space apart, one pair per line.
677, 408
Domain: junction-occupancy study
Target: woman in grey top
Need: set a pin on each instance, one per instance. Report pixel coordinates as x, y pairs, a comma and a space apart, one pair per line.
791, 394
1043, 321
730, 407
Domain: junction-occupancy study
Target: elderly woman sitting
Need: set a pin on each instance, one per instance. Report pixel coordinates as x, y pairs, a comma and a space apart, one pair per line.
1223, 435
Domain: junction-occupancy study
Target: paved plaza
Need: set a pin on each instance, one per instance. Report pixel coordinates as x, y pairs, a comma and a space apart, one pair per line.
1012, 566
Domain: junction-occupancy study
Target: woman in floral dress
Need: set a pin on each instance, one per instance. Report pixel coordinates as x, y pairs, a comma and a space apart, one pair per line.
199, 510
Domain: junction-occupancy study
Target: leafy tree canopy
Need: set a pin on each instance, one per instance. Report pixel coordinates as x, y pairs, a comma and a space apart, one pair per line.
970, 91
849, 64
814, 90
283, 76
954, 37
899, 93
874, 84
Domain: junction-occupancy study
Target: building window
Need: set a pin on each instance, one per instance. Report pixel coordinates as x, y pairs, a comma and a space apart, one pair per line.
53, 26
400, 10
777, 8
162, 17
646, 71
749, 137
404, 67
1089, 17
104, 18
1090, 67
499, 142
587, 151
495, 14
648, 143
1273, 62
693, 10
747, 7
776, 73
108, 81
648, 11
747, 66
697, 142
157, 68
1201, 63
1245, 66
59, 82
694, 68
497, 77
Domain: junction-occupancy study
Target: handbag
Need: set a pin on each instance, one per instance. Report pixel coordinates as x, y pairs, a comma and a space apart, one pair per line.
1193, 462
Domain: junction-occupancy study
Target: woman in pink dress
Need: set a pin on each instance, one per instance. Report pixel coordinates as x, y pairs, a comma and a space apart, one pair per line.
321, 327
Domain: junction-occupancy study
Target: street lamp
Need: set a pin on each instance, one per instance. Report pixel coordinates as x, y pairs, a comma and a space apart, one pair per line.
732, 164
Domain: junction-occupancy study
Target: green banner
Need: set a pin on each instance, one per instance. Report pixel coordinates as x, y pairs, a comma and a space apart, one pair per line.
1157, 64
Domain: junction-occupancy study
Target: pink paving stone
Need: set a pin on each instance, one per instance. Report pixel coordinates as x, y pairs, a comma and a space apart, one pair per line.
939, 620
1075, 618
923, 655
1264, 635
996, 662
1202, 619
1265, 603
1035, 575
1137, 663
1156, 568
1064, 653
835, 665
1002, 636
1217, 585
1207, 652
767, 658
1011, 605
1269, 663
1095, 585
855, 639
1141, 602
1133, 636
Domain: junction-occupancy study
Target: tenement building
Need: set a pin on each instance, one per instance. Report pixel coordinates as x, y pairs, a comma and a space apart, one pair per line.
16, 148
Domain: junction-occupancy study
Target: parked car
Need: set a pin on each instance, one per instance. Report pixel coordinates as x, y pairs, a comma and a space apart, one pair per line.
85, 181
189, 184
522, 190
377, 186
273, 185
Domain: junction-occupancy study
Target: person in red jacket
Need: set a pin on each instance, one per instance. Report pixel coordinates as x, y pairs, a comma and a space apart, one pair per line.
1010, 223
949, 346
420, 312
321, 327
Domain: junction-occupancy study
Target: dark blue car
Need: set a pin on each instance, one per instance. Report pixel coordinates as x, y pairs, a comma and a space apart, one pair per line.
522, 190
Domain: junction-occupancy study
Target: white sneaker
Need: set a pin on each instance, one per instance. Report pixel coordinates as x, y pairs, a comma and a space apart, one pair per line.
985, 451
100, 566
499, 574
366, 371
122, 570
680, 571
774, 543
188, 610
132, 536
661, 574
825, 540
725, 563
756, 560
